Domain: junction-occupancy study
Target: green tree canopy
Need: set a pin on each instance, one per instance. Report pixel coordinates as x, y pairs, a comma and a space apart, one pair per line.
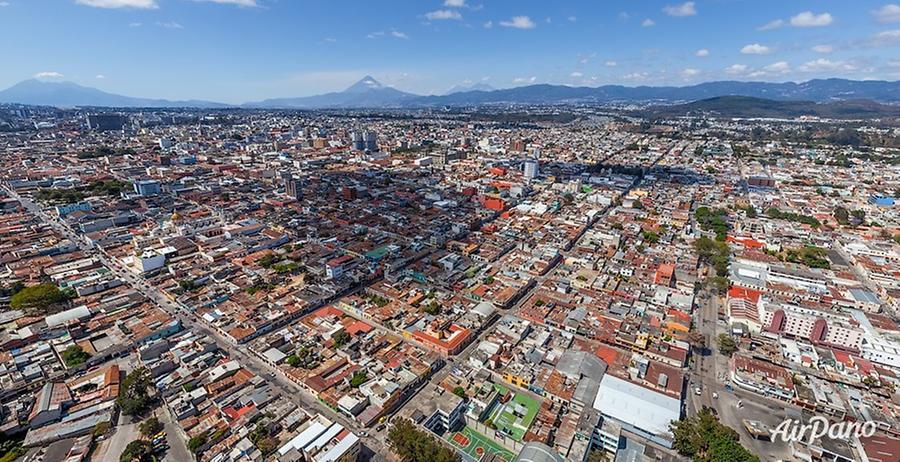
137, 451
37, 297
150, 427
414, 445
704, 439
74, 355
134, 394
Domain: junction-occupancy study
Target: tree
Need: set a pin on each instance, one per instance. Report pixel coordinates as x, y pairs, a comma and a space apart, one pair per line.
137, 451
414, 445
150, 427
704, 439
433, 308
294, 361
720, 284
359, 378
74, 356
197, 442
134, 394
727, 345
100, 429
842, 216
460, 391
340, 338
37, 297
697, 340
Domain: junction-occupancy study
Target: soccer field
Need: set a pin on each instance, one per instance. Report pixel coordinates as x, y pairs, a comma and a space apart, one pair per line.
475, 445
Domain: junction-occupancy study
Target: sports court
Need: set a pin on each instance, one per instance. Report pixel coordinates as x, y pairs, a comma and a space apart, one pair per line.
475, 445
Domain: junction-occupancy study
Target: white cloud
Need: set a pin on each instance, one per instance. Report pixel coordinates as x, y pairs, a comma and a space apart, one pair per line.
399, 35
636, 76
170, 25
100, 76
489, 24
823, 49
576, 75
772, 25
776, 68
455, 3
810, 19
780, 67
135, 24
736, 69
2, 4
519, 22
887, 37
48, 75
525, 79
702, 53
680, 11
142, 4
756, 49
888, 14
689, 73
246, 3
442, 14
573, 18
610, 64
648, 23
825, 65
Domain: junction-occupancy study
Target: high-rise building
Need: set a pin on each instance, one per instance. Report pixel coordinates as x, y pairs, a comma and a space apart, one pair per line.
371, 140
531, 169
357, 141
293, 187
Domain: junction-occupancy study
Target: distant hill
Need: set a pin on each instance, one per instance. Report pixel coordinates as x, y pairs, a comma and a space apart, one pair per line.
466, 88
813, 90
368, 92
749, 107
67, 94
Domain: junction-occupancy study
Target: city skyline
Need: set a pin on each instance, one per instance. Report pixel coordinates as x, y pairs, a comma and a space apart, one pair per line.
242, 50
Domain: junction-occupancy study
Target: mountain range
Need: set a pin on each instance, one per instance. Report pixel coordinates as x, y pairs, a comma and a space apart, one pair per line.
749, 107
68, 94
369, 93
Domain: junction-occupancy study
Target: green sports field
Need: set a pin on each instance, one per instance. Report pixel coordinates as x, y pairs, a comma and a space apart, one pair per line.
516, 415
475, 445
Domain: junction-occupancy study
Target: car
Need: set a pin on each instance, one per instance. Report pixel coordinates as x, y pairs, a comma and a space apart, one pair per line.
364, 434
159, 435
698, 391
715, 395
379, 428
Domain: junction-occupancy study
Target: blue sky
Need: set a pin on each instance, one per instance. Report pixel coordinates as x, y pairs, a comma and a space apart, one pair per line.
242, 50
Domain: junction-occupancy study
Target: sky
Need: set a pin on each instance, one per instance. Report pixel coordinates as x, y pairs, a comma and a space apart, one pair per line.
236, 51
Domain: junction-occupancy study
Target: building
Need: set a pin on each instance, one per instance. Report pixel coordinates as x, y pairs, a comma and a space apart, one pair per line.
65, 209
531, 169
637, 409
321, 441
106, 122
538, 452
50, 404
147, 188
293, 187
